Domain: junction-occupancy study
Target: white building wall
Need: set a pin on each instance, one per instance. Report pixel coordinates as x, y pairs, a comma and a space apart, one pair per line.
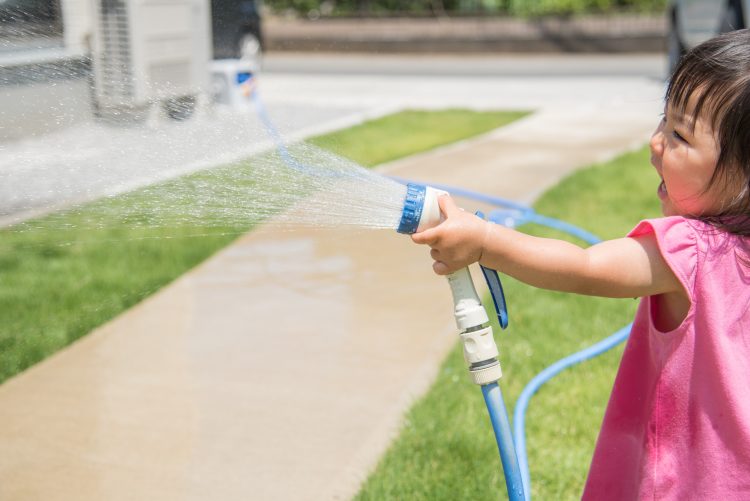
78, 20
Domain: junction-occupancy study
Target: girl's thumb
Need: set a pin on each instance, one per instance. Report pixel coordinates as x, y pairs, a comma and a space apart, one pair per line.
447, 205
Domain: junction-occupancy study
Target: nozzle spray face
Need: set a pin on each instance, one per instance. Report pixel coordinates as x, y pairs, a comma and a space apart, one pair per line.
421, 209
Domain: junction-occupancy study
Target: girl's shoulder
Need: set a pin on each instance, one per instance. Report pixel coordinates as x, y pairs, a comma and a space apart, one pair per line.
681, 227
695, 240
670, 229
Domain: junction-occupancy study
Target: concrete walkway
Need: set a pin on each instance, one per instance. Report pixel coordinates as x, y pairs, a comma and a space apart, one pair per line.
280, 368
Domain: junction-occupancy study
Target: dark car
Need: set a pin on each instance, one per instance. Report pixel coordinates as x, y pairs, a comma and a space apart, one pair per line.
29, 10
694, 21
236, 26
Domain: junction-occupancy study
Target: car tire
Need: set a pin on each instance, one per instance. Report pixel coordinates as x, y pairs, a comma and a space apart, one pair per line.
675, 47
733, 19
250, 47
179, 108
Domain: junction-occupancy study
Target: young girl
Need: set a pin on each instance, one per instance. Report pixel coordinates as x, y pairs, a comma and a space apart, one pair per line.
677, 426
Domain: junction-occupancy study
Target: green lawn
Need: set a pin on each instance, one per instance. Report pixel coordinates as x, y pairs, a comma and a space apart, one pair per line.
410, 132
446, 449
63, 275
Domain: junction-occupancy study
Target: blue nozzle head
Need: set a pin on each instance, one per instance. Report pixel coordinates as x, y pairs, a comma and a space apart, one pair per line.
413, 204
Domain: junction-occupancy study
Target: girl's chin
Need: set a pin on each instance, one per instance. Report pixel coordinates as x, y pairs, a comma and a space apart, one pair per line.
668, 210
666, 207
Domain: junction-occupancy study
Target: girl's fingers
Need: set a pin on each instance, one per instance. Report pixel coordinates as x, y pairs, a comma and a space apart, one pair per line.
440, 268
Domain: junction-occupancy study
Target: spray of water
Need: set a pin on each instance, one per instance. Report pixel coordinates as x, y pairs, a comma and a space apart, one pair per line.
317, 188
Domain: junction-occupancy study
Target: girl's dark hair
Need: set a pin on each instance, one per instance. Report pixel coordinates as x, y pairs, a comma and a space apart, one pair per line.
718, 72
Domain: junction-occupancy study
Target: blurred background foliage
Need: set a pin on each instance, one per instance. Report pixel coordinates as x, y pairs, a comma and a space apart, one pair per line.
428, 8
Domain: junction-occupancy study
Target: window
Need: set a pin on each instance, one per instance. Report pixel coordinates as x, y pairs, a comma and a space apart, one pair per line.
30, 24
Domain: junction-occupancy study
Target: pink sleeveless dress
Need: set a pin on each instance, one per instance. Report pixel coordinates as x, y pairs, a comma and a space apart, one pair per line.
677, 426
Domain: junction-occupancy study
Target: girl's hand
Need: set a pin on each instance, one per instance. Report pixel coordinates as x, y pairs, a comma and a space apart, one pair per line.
456, 242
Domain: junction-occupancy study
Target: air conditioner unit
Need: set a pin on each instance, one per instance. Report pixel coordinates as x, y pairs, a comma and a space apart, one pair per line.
150, 51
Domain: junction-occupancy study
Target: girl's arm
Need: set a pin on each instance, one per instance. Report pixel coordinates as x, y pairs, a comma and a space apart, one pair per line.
626, 267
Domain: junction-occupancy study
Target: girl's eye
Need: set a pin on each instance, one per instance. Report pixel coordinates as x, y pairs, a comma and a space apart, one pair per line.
678, 136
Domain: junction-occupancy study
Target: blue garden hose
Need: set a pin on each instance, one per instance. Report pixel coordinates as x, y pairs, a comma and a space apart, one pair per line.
493, 397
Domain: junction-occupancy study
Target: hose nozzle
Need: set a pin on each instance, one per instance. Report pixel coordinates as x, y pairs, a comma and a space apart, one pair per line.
422, 211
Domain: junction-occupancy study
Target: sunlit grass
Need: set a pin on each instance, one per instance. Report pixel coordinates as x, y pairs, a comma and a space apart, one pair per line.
410, 132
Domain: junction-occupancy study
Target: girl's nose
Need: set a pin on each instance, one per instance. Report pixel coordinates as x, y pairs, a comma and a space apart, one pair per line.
657, 141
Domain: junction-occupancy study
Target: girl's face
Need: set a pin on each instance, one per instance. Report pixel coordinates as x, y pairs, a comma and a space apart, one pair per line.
685, 156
